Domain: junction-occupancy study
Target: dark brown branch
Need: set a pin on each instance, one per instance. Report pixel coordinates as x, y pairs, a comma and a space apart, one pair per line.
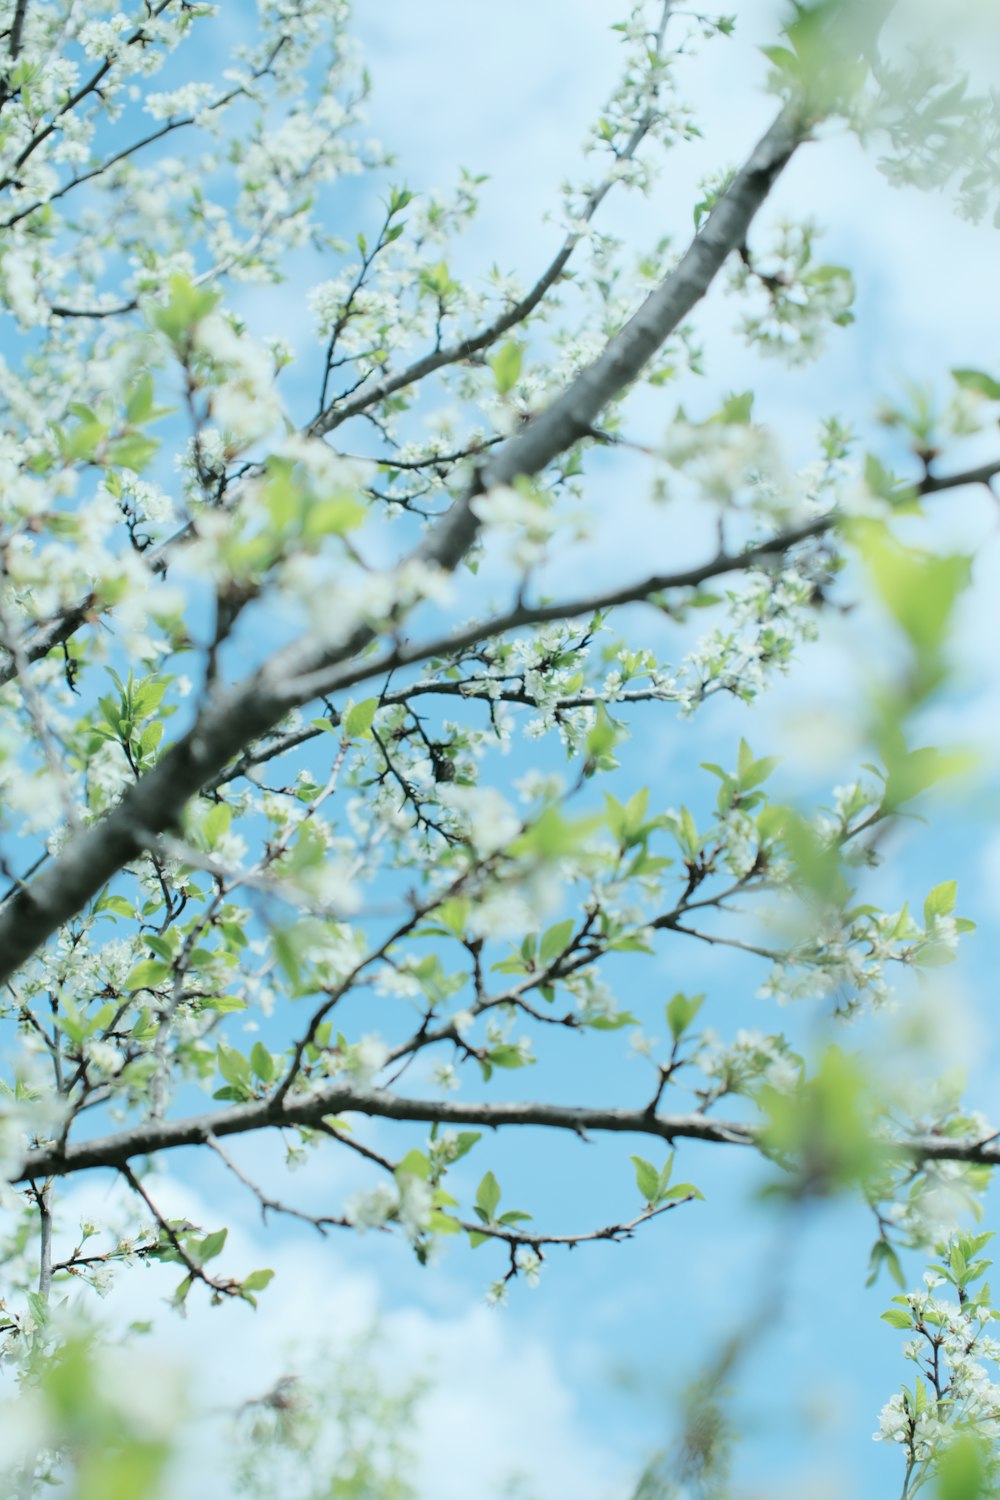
337, 1099
117, 1150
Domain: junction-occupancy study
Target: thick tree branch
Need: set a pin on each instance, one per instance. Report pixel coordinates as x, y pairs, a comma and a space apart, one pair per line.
16, 29
234, 719
572, 415
337, 1099
117, 1150
227, 728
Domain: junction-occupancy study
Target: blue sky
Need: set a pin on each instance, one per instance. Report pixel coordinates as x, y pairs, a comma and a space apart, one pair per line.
572, 1383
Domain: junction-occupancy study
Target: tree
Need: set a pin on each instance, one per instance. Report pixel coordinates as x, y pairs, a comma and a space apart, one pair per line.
352, 580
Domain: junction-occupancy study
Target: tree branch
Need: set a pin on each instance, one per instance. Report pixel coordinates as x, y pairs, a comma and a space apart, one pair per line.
334, 415
127, 151
231, 721
91, 86
223, 1286
311, 1110
337, 1099
336, 677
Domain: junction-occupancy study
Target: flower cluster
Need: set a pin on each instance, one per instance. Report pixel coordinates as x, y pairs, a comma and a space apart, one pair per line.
955, 1393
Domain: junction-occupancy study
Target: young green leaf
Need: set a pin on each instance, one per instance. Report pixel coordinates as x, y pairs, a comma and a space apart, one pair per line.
506, 366
357, 721
488, 1196
647, 1178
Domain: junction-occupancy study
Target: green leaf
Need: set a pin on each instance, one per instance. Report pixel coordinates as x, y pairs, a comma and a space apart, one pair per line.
977, 382
897, 1318
437, 280
824, 1126
261, 1062
140, 402
452, 915
920, 589
180, 1294
681, 1011
133, 451
357, 721
736, 410
285, 948
663, 1181
911, 772
551, 837
880, 480
217, 821
257, 1280
506, 366
611, 1023
683, 1190
884, 1255
333, 516
602, 738
488, 1196
507, 1055
817, 862
647, 1178
186, 306
963, 1469
83, 442
117, 904
940, 901
758, 772
554, 941
414, 1164
223, 1004
784, 60
233, 1066
627, 822
151, 736
211, 1245
147, 974
514, 1216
